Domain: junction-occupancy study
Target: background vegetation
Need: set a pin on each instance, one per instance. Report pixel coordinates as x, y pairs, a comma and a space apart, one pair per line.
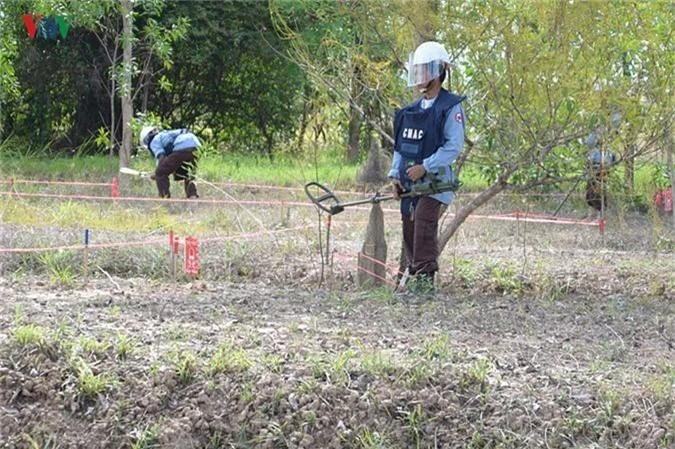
319, 80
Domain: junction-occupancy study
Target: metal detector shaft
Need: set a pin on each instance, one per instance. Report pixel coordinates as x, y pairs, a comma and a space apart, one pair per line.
567, 196
377, 198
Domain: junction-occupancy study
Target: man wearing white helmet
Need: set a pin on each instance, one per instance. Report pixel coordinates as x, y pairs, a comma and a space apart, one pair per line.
429, 135
175, 153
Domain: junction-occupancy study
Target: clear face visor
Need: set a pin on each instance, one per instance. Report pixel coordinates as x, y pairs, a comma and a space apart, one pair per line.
421, 74
148, 136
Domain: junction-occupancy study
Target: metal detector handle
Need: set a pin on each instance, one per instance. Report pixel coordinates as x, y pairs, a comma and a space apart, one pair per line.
317, 200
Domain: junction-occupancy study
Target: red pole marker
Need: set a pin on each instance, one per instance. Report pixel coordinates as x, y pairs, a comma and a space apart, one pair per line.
171, 238
11, 185
191, 256
668, 203
115, 191
601, 226
517, 213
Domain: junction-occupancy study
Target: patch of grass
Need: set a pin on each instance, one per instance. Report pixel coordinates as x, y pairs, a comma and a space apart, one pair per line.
124, 346
41, 442
154, 369
29, 335
480, 370
273, 363
610, 399
417, 372
61, 333
662, 384
92, 346
176, 332
228, 359
437, 349
377, 364
90, 384
369, 439
382, 294
114, 311
415, 420
332, 369
185, 365
309, 418
247, 392
215, 440
467, 271
306, 386
477, 374
505, 280
44, 166
146, 438
60, 267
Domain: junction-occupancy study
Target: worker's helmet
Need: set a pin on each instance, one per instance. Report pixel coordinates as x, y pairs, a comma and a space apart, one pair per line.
428, 62
146, 133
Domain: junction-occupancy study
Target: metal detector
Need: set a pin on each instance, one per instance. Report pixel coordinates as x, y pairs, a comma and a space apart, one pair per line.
132, 172
328, 201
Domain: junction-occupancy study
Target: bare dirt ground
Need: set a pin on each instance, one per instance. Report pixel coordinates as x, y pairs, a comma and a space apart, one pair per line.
542, 336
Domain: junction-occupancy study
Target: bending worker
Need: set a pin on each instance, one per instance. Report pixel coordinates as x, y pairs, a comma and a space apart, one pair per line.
175, 151
429, 135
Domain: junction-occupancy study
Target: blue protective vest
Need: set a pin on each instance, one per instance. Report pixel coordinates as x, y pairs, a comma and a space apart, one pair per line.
419, 134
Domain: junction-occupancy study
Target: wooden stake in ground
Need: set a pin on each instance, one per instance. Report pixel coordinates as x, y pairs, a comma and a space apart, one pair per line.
373, 255
85, 257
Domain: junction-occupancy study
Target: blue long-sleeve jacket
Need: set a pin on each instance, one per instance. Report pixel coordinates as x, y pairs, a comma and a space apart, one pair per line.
173, 140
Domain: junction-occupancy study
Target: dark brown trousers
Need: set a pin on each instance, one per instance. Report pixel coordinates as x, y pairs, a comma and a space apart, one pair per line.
420, 236
596, 190
183, 165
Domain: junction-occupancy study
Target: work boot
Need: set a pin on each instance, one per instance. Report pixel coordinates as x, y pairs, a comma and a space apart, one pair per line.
420, 286
423, 285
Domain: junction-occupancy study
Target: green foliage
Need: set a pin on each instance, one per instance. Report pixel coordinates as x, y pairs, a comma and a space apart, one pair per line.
416, 420
146, 438
91, 385
29, 335
40, 443
125, 346
60, 267
369, 439
185, 365
228, 359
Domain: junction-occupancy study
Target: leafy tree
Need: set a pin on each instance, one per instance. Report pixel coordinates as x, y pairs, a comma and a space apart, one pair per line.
539, 76
348, 51
227, 75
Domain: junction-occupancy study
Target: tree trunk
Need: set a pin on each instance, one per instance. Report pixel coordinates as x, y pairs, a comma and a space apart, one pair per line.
629, 169
303, 122
671, 169
113, 124
354, 117
127, 102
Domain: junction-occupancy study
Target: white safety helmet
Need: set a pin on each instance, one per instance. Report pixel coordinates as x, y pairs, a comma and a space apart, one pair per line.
146, 133
427, 63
